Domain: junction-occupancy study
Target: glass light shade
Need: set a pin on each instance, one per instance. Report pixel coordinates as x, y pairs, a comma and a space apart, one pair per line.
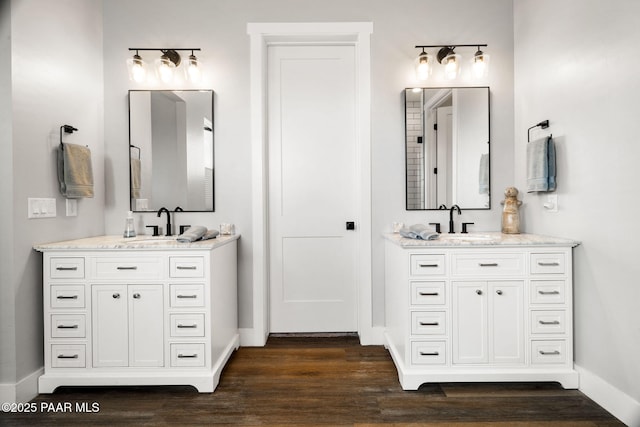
424, 66
164, 69
193, 69
451, 66
480, 65
137, 69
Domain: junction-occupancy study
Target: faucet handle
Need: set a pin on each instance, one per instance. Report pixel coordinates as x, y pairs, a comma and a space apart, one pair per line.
464, 226
156, 231
437, 224
184, 228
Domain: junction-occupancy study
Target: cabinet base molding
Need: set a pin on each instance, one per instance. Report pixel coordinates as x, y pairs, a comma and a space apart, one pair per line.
203, 380
413, 378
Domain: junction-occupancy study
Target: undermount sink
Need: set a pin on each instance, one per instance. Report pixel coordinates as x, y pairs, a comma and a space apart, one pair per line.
467, 237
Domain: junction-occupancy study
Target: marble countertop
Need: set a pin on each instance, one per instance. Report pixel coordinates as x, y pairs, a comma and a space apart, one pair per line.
134, 243
493, 238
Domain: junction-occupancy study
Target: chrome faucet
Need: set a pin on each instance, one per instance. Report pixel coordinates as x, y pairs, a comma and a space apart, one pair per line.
163, 209
454, 207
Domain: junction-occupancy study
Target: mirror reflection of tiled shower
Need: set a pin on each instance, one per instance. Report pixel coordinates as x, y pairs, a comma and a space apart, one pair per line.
414, 151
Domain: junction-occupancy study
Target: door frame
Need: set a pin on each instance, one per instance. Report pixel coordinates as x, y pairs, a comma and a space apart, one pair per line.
262, 35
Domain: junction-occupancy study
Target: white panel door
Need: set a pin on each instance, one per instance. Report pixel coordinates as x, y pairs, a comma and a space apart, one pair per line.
146, 325
312, 188
506, 309
469, 322
109, 325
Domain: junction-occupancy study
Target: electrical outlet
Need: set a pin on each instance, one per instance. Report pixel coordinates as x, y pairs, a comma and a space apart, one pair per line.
551, 205
72, 207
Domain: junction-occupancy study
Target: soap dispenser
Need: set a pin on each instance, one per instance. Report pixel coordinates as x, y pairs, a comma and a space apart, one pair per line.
129, 228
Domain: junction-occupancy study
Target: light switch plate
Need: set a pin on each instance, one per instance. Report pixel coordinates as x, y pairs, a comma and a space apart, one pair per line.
551, 205
41, 208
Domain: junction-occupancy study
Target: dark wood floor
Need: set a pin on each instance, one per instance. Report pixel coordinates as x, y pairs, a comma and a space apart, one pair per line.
321, 381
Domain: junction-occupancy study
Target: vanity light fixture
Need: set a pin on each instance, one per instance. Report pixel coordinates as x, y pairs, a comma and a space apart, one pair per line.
165, 66
451, 60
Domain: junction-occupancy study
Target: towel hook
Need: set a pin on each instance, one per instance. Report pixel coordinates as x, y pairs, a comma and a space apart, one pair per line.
543, 125
67, 129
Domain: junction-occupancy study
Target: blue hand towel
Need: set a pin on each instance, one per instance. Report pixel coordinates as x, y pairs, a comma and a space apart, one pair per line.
419, 232
541, 165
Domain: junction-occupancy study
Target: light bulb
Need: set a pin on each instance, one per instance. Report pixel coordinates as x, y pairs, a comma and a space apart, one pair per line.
165, 67
193, 68
480, 64
423, 66
452, 66
137, 69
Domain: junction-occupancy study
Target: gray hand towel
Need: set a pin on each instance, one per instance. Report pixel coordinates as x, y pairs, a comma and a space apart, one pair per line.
541, 165
192, 234
75, 173
210, 234
419, 232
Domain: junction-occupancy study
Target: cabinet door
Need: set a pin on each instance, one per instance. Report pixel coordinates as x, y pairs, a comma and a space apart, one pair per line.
469, 332
506, 321
109, 325
146, 325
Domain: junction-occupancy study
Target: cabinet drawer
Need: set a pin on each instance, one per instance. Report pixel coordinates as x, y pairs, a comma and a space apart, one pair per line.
497, 264
548, 322
192, 266
187, 295
187, 325
551, 263
543, 352
68, 356
66, 268
68, 326
428, 352
66, 296
427, 265
428, 323
427, 293
187, 355
547, 291
128, 268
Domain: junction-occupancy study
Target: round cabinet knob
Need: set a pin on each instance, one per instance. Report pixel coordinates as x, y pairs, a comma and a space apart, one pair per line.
478, 291
136, 296
499, 292
116, 296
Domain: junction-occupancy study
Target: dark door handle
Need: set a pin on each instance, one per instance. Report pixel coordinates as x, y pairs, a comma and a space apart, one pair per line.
351, 225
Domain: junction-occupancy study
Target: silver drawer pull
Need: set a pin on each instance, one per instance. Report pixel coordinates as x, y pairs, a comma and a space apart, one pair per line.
428, 265
550, 353
549, 292
187, 356
429, 323
429, 294
548, 264
64, 356
181, 326
127, 268
488, 264
116, 295
136, 295
186, 267
435, 353
479, 291
552, 322
67, 297
67, 268
67, 326
186, 296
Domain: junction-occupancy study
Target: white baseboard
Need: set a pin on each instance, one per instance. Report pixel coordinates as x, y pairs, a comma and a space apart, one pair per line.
372, 336
252, 337
618, 403
25, 390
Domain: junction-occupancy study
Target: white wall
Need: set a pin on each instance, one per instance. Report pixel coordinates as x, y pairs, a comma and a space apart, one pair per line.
576, 65
56, 79
219, 28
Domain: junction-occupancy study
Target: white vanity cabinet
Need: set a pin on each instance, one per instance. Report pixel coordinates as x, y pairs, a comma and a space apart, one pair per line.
138, 312
491, 309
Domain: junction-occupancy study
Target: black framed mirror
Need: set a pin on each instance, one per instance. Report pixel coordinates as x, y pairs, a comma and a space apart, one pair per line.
447, 148
171, 150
